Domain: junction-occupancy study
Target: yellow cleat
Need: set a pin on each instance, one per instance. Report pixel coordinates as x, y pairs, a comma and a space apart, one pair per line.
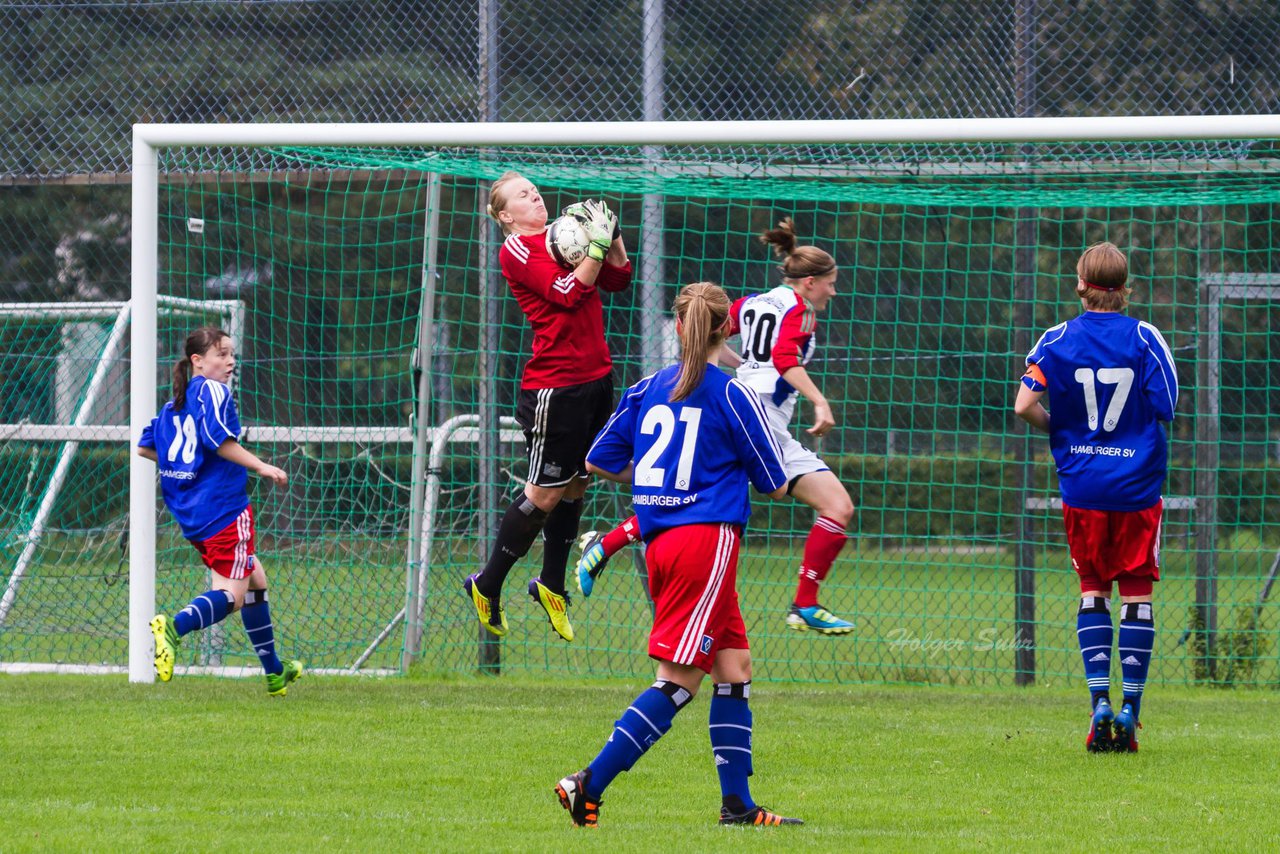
556, 606
166, 645
485, 608
278, 683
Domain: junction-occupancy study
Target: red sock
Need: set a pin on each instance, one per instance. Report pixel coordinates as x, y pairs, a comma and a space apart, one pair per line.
826, 539
621, 537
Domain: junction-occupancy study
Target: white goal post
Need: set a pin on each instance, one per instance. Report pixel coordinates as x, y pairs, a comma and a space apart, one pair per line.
148, 139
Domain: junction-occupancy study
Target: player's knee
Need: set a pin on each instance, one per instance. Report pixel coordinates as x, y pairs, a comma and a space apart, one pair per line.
576, 489
544, 498
686, 676
732, 668
235, 600
842, 511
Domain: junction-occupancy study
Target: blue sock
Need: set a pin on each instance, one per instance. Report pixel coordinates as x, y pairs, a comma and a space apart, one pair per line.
256, 615
1093, 629
730, 725
645, 721
206, 609
1137, 637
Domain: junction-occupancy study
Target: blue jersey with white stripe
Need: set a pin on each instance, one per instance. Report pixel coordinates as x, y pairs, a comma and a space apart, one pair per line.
1111, 381
204, 492
693, 459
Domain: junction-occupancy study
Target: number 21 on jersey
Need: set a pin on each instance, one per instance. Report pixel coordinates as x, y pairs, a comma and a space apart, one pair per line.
662, 421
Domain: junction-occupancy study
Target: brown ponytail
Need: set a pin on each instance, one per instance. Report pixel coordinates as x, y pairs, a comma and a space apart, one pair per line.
799, 261
199, 342
702, 309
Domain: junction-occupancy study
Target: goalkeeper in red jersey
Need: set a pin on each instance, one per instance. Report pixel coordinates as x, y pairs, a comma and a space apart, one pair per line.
566, 392
1112, 386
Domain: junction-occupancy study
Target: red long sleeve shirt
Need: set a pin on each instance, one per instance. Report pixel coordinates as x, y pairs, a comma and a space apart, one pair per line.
565, 313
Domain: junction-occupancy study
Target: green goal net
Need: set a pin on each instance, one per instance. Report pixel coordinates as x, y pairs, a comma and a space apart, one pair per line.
380, 352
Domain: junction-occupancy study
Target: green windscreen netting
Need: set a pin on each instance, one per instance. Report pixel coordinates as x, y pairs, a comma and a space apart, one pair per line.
953, 258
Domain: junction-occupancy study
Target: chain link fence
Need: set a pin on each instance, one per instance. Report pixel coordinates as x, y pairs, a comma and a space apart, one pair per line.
77, 75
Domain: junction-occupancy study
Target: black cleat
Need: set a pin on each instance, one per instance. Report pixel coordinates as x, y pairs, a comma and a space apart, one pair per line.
572, 791
758, 817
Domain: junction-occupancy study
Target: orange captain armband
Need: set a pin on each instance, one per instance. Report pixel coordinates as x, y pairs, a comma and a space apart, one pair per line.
1034, 378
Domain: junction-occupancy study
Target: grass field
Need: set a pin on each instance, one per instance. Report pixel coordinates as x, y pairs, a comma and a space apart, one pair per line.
202, 764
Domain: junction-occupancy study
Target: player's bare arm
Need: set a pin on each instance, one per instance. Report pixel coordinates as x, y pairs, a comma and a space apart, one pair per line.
1028, 407
823, 418
232, 451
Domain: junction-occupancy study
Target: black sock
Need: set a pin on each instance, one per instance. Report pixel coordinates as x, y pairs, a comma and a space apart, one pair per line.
520, 526
558, 537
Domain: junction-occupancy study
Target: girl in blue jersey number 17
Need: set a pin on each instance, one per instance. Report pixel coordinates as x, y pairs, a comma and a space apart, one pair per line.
1112, 386
203, 480
689, 440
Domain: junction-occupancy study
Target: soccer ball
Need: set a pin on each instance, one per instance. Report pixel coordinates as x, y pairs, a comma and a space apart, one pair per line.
567, 242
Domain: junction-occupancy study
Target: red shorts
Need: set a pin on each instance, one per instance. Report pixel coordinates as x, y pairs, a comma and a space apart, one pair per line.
1115, 545
230, 551
693, 571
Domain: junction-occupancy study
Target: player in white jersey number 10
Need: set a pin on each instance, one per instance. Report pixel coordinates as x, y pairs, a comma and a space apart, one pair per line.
777, 333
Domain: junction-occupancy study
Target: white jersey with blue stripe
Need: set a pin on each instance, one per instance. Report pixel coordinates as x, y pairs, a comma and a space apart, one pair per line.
204, 492
693, 458
1111, 381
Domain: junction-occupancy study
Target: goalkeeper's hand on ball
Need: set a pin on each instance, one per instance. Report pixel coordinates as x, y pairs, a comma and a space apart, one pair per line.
600, 224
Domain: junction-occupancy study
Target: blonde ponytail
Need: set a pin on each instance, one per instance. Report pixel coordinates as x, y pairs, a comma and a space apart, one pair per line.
702, 309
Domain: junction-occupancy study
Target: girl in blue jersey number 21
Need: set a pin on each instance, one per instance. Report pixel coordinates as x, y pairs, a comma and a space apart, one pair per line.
203, 479
689, 440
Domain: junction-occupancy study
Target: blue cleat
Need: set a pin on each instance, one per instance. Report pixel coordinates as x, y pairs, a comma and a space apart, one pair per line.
1100, 739
816, 618
1124, 731
593, 560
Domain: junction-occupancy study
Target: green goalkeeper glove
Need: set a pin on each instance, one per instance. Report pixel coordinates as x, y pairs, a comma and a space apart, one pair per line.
599, 223
578, 211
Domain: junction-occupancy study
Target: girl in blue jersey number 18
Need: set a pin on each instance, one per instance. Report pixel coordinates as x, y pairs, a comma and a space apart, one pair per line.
689, 440
203, 480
